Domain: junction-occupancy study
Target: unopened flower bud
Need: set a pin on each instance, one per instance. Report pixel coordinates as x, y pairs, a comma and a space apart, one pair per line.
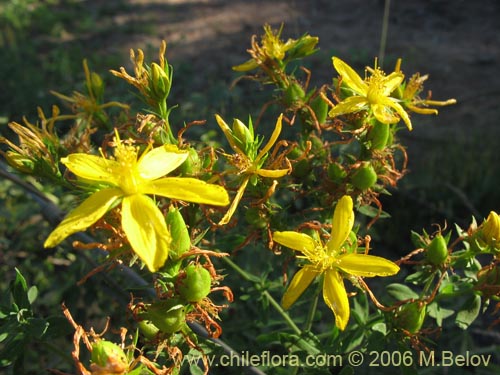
491, 229
304, 46
243, 136
19, 162
160, 82
96, 86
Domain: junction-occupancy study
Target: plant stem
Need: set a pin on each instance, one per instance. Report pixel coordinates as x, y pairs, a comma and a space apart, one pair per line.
255, 280
282, 312
312, 310
383, 36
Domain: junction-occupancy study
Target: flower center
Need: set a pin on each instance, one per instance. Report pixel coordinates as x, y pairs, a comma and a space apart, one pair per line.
375, 88
126, 156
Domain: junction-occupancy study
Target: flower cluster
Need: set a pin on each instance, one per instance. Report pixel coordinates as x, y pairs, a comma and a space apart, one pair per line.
311, 181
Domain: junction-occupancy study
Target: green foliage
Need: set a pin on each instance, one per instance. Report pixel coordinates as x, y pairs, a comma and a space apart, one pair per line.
20, 325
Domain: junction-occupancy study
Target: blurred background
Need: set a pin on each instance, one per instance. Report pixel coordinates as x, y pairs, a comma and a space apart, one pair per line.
454, 173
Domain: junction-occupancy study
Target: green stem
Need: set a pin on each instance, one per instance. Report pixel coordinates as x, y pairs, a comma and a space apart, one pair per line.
255, 280
383, 36
312, 309
282, 312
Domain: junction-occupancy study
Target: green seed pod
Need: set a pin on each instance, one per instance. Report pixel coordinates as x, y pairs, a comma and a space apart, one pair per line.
364, 177
195, 284
336, 172
181, 242
318, 147
294, 94
108, 354
378, 135
148, 329
437, 251
320, 108
168, 315
411, 316
192, 164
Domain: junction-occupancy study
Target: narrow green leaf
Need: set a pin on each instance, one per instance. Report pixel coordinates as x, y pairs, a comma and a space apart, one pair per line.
19, 291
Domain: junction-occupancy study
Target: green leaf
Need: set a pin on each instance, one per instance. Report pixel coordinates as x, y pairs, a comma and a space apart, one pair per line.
19, 291
469, 312
360, 307
195, 370
373, 212
32, 294
439, 313
401, 292
417, 239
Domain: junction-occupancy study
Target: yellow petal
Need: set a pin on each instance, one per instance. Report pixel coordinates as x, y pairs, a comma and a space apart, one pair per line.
187, 189
366, 265
83, 216
392, 81
229, 134
146, 230
297, 241
401, 112
272, 173
420, 110
384, 114
351, 104
272, 140
236, 200
299, 283
246, 66
343, 220
92, 167
160, 161
335, 297
350, 77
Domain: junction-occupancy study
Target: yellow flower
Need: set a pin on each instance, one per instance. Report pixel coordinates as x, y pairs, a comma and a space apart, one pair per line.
371, 93
129, 179
248, 160
333, 262
272, 50
414, 103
